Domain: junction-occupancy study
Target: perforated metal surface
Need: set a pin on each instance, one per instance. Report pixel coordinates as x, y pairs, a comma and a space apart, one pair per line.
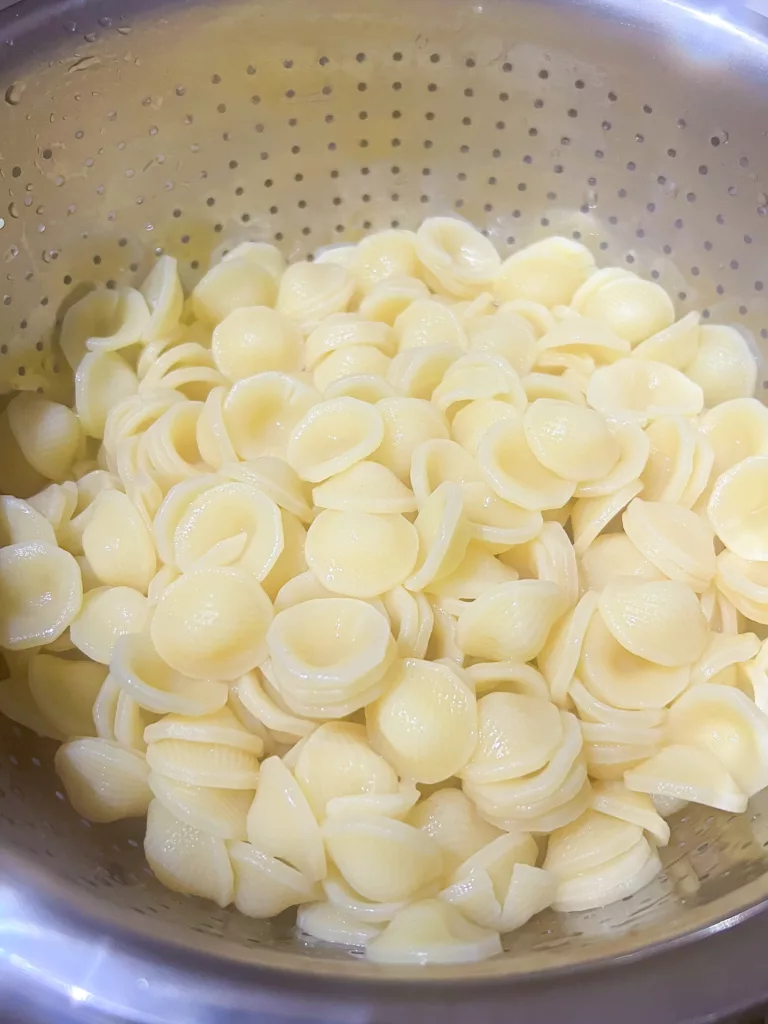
129, 132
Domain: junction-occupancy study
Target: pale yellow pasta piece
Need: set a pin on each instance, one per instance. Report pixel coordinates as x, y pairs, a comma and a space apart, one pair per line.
164, 296
495, 523
737, 505
309, 292
476, 572
17, 477
118, 544
361, 555
345, 330
386, 805
511, 621
22, 523
261, 411
506, 334
614, 880
425, 724
329, 653
64, 691
278, 480
590, 516
475, 376
292, 561
381, 858
659, 621
725, 722
479, 886
723, 652
337, 761
41, 591
263, 254
17, 704
724, 366
688, 773
427, 322
252, 696
173, 509
530, 891
473, 420
104, 319
678, 542
517, 735
327, 923
216, 812
333, 436
512, 470
442, 533
213, 441
212, 624
281, 822
634, 449
670, 462
220, 727
675, 345
443, 643
382, 255
736, 430
508, 676
559, 657
57, 503
367, 387
571, 441
387, 299
254, 339
106, 614
635, 309
217, 765
548, 272
643, 390
264, 885
548, 385
438, 460
407, 422
186, 859
589, 842
47, 433
132, 416
456, 256
230, 285
612, 798
365, 487
102, 380
222, 514
578, 337
411, 620
451, 819
744, 584
432, 932
352, 361
617, 677
103, 781
170, 445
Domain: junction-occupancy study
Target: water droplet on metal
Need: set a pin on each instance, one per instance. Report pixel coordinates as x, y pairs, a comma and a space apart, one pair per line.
671, 188
70, 26
762, 199
13, 210
124, 30
720, 138
14, 93
90, 37
40, 209
84, 63
105, 22
591, 199
2, 223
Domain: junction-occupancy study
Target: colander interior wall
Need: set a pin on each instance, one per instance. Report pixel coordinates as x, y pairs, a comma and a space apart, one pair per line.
132, 129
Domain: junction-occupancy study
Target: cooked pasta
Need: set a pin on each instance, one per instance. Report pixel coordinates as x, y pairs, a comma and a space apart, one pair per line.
407, 587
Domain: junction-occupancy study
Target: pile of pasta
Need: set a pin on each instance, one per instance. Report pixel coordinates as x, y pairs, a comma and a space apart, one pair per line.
407, 586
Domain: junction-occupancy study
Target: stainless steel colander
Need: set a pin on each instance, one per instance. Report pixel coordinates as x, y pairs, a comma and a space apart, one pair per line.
130, 128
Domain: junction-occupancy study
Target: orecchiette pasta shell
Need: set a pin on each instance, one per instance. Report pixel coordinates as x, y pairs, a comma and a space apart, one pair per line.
457, 256
118, 544
185, 859
724, 721
425, 724
433, 462
416, 372
106, 614
220, 727
478, 376
517, 735
590, 709
688, 773
254, 339
506, 334
333, 436
17, 703
659, 621
352, 361
309, 292
443, 639
549, 385
230, 285
612, 798
111, 319
65, 691
281, 822
619, 678
48, 433
744, 584
325, 922
508, 676
261, 411
675, 345
104, 782
511, 621
724, 365
215, 812
342, 330
473, 419
559, 657
102, 380
141, 672
292, 561
381, 858
357, 554
252, 696
677, 541
164, 296
549, 272
353, 906
640, 389
614, 880
432, 932
212, 624
387, 805
365, 487
407, 422
41, 591
452, 820
427, 322
495, 523
204, 764
530, 891
411, 620
736, 430
633, 308
383, 254
390, 296
670, 462
587, 843
512, 470
723, 652
737, 506
264, 885
263, 254
477, 571
366, 387
213, 441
